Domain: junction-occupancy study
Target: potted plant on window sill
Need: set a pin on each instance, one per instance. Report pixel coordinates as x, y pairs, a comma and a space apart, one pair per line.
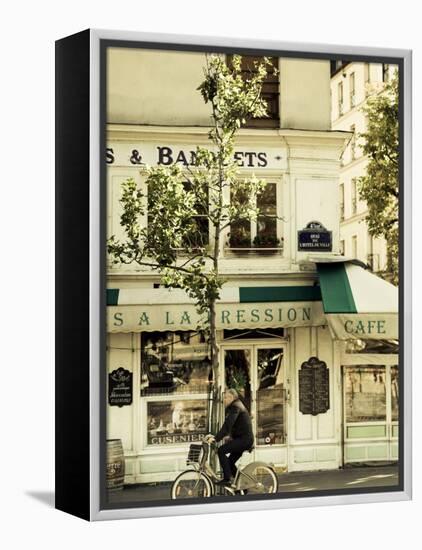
239, 242
266, 244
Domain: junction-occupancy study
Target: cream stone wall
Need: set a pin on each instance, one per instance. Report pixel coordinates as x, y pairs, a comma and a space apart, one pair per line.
305, 94
160, 88
155, 87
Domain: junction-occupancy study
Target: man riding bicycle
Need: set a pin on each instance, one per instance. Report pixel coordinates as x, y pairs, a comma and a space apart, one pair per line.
237, 428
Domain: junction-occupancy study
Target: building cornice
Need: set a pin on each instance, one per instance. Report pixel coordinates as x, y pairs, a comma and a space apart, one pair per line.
127, 132
355, 218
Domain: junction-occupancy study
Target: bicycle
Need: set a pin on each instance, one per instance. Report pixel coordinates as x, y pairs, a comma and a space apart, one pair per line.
199, 480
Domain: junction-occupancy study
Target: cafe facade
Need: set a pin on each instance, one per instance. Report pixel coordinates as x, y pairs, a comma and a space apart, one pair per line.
307, 336
318, 372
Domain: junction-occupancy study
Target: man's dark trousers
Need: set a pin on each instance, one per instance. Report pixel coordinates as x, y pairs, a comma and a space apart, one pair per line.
234, 449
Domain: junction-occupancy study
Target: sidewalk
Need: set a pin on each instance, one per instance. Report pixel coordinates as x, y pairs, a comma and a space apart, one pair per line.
348, 478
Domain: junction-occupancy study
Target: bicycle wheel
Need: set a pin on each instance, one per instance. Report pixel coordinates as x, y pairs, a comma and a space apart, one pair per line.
258, 478
191, 484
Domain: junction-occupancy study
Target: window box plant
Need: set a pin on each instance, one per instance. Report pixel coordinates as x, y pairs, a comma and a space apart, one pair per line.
267, 244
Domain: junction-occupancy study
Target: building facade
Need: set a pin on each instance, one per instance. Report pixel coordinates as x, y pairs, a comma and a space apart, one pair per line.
317, 402
351, 86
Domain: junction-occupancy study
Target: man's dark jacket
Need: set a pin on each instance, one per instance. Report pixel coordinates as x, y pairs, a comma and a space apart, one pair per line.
237, 423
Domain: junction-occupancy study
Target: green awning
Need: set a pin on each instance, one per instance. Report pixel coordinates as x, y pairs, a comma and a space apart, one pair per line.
335, 288
357, 303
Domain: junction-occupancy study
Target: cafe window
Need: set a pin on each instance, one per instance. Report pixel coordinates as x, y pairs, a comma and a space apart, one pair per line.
371, 345
365, 393
174, 363
270, 90
394, 393
261, 233
176, 421
270, 398
253, 334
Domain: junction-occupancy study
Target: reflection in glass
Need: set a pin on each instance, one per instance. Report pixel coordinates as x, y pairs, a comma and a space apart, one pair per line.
237, 368
183, 421
174, 363
394, 393
270, 397
372, 346
267, 218
365, 393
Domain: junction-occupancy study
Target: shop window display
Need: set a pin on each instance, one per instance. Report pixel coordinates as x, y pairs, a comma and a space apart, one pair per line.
270, 398
365, 394
394, 393
176, 421
237, 367
174, 363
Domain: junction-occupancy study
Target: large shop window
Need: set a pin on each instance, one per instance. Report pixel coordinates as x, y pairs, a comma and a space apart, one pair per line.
372, 404
260, 234
365, 394
270, 398
174, 363
175, 378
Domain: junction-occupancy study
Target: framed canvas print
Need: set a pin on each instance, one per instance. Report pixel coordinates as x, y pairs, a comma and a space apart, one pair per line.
233, 275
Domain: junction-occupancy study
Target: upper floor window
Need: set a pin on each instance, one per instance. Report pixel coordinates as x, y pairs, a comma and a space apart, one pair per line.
261, 233
200, 235
367, 77
367, 72
354, 196
352, 90
340, 98
270, 91
385, 72
341, 201
354, 247
353, 142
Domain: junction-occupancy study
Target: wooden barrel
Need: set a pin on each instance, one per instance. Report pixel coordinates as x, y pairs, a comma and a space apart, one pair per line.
115, 465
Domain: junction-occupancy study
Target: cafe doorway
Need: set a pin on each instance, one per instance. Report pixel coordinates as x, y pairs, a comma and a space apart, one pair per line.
257, 372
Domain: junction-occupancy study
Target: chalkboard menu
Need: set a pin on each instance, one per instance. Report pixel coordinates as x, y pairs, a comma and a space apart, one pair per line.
120, 387
314, 387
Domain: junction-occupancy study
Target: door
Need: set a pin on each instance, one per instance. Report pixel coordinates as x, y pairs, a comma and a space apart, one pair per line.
257, 372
